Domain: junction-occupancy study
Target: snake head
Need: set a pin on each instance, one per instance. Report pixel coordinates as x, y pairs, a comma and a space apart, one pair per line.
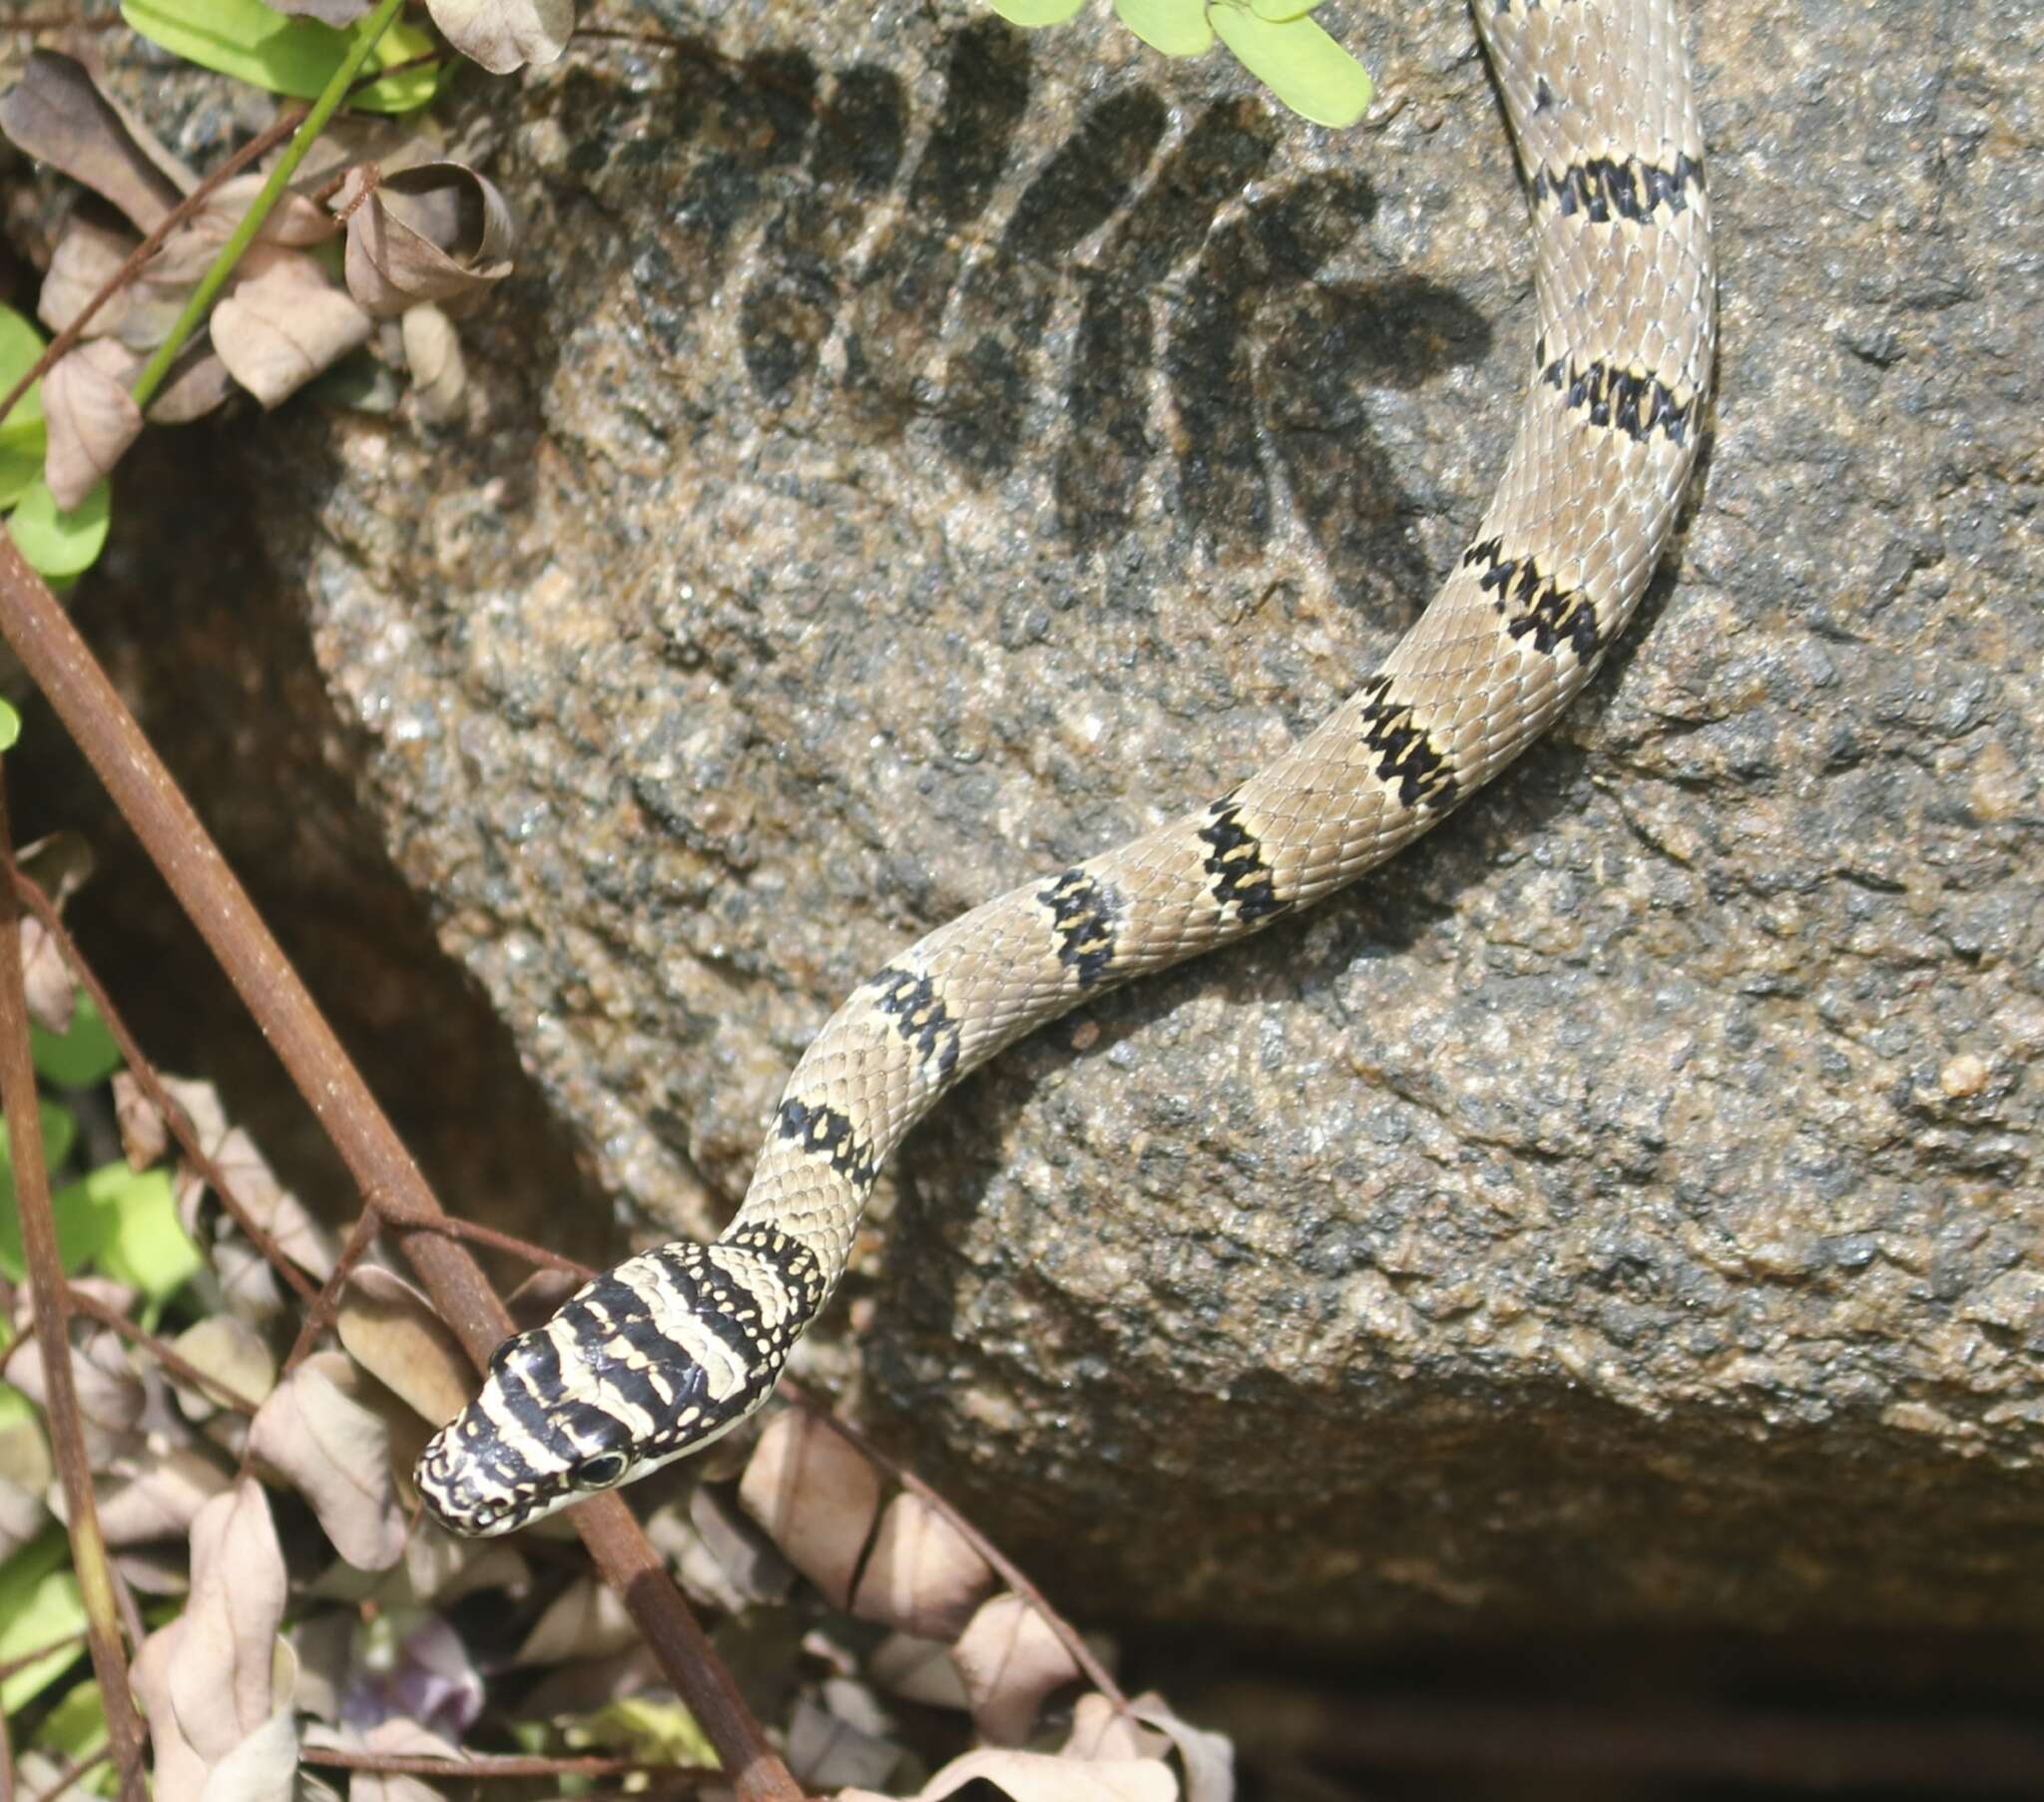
645, 1365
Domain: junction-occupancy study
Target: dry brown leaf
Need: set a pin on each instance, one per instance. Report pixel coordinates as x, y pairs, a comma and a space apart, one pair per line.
721, 1558
816, 1496
57, 115
1209, 1758
111, 1393
826, 1753
503, 35
91, 416
145, 1133
1040, 1777
320, 1431
301, 1237
178, 1772
432, 232
224, 1682
432, 352
391, 1331
197, 382
159, 1502
1100, 1730
922, 1575
296, 220
51, 993
285, 324
234, 1355
586, 1621
918, 1671
262, 1768
1010, 1659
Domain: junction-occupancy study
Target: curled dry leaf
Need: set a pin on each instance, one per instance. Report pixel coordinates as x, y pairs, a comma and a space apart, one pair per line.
1011, 1659
432, 232
90, 416
56, 115
320, 1431
391, 1331
1100, 1730
217, 1683
302, 1238
283, 325
826, 1752
586, 1621
234, 1355
816, 1494
432, 352
922, 1575
1209, 1758
47, 978
159, 1502
918, 1671
503, 35
145, 1134
1040, 1777
111, 1393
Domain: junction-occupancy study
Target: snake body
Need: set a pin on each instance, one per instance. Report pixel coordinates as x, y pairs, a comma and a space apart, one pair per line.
679, 1344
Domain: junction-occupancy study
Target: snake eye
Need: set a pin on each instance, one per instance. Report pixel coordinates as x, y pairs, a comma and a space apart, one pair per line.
601, 1471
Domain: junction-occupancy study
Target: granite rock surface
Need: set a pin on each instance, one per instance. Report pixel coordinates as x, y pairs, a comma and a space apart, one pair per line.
912, 455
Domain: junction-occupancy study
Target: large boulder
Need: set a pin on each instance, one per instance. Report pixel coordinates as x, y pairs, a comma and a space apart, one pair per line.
912, 455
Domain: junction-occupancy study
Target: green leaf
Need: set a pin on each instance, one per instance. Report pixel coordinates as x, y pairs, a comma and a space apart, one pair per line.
146, 1247
88, 1213
83, 1056
1298, 62
60, 543
10, 727
76, 1726
1036, 12
247, 40
59, 1130
22, 440
1175, 27
39, 1602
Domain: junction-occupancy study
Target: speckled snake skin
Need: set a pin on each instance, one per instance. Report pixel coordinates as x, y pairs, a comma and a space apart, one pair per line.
681, 1343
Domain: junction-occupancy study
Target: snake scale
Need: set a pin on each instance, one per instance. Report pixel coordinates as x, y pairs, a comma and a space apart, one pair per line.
679, 1344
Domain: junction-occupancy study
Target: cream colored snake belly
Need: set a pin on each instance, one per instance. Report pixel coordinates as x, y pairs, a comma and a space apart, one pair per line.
679, 1344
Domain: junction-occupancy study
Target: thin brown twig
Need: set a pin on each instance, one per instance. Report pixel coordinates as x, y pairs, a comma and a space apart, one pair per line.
474, 1234
1004, 1567
484, 1764
167, 1356
152, 1085
77, 1768
56, 658
48, 1295
42, 1651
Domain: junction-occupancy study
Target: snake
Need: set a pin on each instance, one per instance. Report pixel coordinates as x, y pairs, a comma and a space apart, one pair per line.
679, 1344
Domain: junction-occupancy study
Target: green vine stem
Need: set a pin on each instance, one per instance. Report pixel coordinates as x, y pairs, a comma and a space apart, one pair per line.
243, 234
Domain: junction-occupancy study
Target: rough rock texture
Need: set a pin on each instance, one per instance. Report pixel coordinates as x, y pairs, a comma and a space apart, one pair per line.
915, 455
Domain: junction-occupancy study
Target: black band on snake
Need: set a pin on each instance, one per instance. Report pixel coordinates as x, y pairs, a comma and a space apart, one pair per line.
678, 1345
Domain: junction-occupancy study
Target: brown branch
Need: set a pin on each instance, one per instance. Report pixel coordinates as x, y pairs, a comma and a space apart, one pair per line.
77, 1768
42, 1651
167, 1356
161, 817
48, 1294
152, 1085
481, 1764
1003, 1565
473, 1233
